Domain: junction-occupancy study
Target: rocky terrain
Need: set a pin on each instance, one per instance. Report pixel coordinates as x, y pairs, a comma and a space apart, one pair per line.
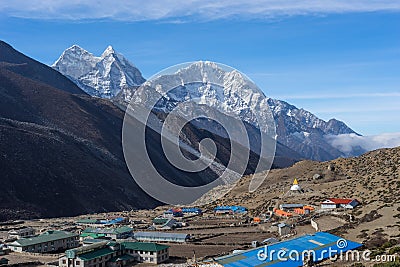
373, 179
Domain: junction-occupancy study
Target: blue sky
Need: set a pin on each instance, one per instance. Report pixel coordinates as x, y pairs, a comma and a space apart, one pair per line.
337, 60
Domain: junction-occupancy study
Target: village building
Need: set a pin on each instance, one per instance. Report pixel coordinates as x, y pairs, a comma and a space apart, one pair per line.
192, 211
50, 241
230, 209
334, 203
106, 233
284, 229
282, 213
290, 206
164, 223
114, 254
161, 237
21, 233
173, 213
102, 222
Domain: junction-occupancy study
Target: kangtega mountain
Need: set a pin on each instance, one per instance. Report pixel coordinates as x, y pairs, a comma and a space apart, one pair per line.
103, 76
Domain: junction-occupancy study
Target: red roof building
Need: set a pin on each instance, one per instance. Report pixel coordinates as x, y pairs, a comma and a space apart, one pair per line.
334, 203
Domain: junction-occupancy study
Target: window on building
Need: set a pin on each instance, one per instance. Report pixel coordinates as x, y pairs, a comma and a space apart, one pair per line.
64, 261
78, 262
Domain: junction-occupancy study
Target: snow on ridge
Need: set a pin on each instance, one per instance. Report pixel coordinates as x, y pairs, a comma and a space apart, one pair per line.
103, 76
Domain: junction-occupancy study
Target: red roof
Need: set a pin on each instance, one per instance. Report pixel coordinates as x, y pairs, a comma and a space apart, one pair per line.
341, 200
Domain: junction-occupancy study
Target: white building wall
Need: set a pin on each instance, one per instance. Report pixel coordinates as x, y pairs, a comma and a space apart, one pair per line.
328, 206
44, 247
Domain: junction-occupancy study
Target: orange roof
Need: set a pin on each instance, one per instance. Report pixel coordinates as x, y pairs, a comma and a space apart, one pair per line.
299, 211
282, 213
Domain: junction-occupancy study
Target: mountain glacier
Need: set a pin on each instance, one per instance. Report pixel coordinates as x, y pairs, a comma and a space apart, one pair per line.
207, 83
103, 76
112, 76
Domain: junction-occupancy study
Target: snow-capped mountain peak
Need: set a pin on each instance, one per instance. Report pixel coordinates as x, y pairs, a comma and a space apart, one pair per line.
229, 90
111, 75
103, 76
109, 50
75, 49
75, 54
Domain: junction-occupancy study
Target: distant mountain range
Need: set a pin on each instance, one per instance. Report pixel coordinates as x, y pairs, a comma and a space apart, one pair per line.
297, 129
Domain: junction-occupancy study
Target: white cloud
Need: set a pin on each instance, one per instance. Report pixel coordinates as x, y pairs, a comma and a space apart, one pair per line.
347, 142
339, 95
137, 10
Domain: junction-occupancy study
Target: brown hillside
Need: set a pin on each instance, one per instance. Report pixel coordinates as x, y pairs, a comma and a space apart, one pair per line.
373, 178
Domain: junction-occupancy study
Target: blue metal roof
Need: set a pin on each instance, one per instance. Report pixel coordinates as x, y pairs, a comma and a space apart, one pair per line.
317, 242
233, 208
193, 210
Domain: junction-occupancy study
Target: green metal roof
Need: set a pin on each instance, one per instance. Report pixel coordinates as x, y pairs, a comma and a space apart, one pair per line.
123, 229
92, 241
96, 254
143, 246
93, 235
43, 238
89, 221
124, 257
160, 220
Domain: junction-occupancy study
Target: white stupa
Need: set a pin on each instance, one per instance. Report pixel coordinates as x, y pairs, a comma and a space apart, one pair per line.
296, 187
